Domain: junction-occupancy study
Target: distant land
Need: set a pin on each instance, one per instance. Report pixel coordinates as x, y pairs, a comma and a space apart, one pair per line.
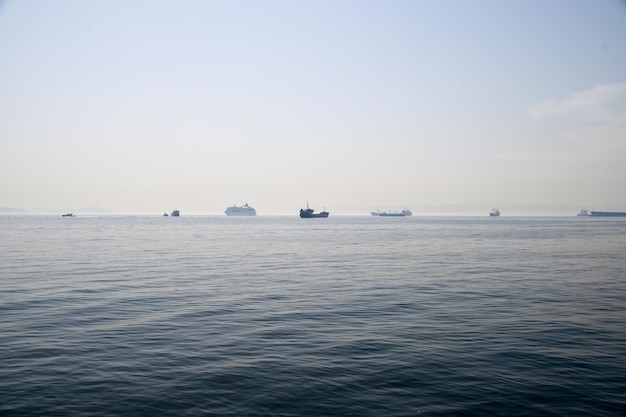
90, 210
507, 209
13, 210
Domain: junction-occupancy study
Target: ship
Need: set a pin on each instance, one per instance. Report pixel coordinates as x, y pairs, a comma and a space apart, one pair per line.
584, 213
310, 213
176, 213
494, 213
403, 213
68, 215
244, 210
608, 214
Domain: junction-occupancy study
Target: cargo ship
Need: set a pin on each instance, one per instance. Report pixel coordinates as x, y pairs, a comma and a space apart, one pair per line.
310, 213
403, 213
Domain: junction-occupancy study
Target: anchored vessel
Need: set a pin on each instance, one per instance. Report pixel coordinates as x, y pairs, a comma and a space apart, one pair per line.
244, 210
584, 213
494, 212
403, 213
310, 213
68, 215
176, 213
608, 214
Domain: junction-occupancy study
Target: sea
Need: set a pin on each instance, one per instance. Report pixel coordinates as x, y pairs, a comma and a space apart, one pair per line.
282, 316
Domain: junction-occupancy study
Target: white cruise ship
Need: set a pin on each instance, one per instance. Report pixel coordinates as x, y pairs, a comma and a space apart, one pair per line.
244, 210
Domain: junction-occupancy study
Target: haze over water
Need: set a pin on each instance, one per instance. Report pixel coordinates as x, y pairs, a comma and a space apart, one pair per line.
144, 106
281, 316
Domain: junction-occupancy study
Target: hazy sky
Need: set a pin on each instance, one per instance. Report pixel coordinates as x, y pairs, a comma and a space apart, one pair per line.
143, 106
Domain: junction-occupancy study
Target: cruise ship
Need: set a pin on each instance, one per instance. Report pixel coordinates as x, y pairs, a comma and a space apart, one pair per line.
244, 210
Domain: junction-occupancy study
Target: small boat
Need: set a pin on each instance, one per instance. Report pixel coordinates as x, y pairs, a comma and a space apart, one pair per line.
176, 213
68, 215
494, 213
244, 210
584, 213
403, 213
165, 215
608, 214
310, 213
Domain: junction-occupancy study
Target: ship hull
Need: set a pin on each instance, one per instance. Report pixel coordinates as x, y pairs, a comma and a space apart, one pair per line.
229, 212
608, 214
314, 215
403, 213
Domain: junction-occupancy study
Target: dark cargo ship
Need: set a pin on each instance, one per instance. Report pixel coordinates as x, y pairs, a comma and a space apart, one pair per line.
310, 213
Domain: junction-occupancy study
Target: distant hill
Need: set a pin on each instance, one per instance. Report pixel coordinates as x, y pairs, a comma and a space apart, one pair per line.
92, 210
12, 210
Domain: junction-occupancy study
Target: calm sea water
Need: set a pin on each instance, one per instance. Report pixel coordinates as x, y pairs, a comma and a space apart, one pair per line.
281, 316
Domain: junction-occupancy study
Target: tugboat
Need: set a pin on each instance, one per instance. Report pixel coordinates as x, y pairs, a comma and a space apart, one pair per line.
494, 213
310, 213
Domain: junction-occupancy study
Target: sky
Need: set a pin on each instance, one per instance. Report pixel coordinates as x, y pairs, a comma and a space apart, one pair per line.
352, 105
